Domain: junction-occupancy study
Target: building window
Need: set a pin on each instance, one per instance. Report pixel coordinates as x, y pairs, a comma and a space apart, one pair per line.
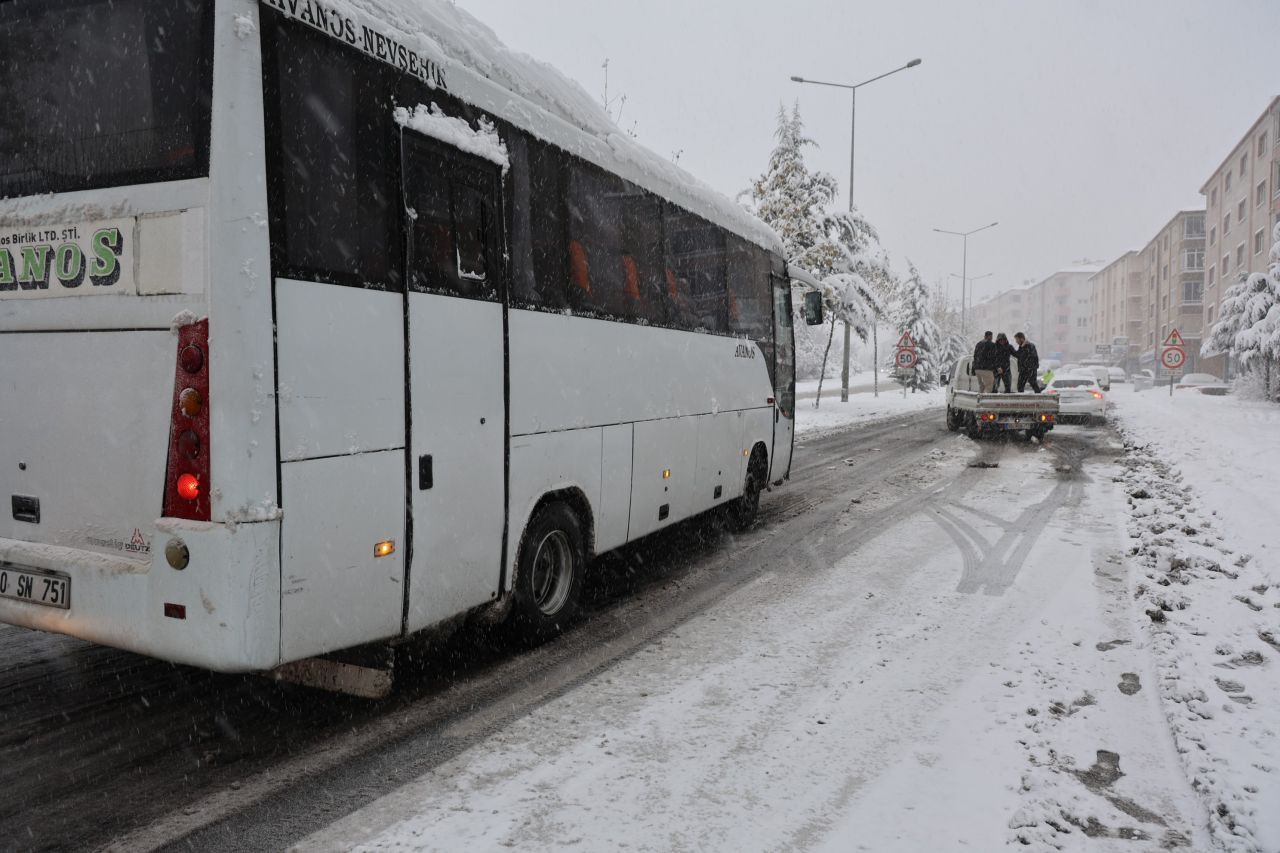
1192, 291
1240, 209
1193, 259
1275, 178
1209, 315
1193, 227
1262, 144
1226, 265
1213, 275
1257, 242
1261, 195
1227, 183
1213, 197
1226, 223
1240, 255
1213, 235
1244, 163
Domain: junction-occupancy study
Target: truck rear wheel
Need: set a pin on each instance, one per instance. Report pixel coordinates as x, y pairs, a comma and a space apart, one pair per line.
954, 419
972, 428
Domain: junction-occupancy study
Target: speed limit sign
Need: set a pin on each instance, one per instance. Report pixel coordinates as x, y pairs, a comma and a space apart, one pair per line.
1172, 358
907, 359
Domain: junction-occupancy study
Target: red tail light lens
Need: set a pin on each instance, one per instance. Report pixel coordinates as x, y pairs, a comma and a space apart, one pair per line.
186, 492
1097, 395
188, 487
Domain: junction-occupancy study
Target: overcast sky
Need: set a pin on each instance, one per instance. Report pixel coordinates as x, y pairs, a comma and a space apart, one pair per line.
1082, 127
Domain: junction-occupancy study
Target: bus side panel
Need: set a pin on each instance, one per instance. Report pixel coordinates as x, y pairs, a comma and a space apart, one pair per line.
721, 464
615, 487
573, 372
546, 463
336, 591
757, 430
662, 490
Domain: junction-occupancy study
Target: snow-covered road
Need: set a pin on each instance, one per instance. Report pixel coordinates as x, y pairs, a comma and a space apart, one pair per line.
927, 643
966, 676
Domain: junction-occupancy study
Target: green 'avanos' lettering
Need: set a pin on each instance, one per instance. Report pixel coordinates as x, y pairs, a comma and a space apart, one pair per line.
104, 266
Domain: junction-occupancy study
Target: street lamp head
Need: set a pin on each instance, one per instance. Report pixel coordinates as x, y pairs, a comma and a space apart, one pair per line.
795, 79
913, 63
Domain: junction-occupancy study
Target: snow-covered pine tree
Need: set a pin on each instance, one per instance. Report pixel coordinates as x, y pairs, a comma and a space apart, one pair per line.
953, 345
1258, 342
1248, 328
915, 316
839, 248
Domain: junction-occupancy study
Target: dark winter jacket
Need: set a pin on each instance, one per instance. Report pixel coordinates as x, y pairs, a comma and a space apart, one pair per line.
984, 355
1028, 358
1004, 351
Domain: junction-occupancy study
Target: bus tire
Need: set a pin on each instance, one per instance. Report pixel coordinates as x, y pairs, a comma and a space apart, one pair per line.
549, 574
743, 511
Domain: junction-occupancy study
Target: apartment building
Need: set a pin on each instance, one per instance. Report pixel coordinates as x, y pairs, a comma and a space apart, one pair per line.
1242, 202
1118, 302
1054, 313
1174, 270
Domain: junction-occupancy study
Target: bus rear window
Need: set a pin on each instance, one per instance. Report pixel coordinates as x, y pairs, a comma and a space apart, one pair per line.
102, 93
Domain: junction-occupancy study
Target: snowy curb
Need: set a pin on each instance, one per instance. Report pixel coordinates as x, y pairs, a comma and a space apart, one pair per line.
1214, 629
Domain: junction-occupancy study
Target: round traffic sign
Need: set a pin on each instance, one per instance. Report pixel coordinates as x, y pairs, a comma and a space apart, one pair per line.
1172, 358
907, 359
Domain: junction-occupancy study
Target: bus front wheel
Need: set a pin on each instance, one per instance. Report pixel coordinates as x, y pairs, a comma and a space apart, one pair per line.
742, 512
550, 572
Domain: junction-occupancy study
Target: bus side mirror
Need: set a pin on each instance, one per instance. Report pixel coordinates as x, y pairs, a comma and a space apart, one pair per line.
813, 308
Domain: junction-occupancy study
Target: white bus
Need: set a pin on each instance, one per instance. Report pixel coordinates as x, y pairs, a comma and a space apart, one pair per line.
319, 327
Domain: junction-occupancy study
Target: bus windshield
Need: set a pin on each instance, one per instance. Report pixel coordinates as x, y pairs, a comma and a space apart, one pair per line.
101, 93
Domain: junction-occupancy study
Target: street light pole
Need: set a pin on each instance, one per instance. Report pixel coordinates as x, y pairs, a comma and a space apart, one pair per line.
964, 281
853, 131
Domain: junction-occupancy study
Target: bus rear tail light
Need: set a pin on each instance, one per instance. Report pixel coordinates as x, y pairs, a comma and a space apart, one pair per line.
186, 482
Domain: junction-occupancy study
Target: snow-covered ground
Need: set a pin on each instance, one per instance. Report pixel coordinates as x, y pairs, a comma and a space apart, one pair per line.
968, 675
863, 406
1203, 479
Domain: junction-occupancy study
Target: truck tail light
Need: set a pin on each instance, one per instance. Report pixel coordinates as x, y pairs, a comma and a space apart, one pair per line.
186, 480
1046, 419
987, 416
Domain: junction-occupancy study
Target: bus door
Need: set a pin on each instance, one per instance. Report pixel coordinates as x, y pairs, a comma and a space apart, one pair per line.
784, 372
456, 343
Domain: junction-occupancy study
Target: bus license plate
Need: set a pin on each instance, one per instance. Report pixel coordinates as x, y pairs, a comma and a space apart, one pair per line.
37, 588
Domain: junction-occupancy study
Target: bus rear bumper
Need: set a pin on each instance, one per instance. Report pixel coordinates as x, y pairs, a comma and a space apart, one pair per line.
222, 612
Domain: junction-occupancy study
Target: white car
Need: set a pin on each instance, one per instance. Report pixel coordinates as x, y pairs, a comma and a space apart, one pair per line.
1080, 399
1205, 383
1102, 374
1117, 375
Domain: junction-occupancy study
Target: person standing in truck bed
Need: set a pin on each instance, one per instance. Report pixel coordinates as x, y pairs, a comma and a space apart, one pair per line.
1004, 351
984, 363
1028, 364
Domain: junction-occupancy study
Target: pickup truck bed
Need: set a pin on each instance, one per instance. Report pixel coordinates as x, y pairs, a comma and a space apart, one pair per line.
984, 414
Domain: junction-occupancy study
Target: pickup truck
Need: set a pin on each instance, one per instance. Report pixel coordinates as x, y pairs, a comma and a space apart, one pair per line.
986, 414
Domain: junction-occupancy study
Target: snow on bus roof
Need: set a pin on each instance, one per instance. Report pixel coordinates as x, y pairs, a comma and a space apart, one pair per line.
474, 64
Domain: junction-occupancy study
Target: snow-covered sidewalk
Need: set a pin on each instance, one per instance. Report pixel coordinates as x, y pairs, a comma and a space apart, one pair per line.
1203, 478
863, 407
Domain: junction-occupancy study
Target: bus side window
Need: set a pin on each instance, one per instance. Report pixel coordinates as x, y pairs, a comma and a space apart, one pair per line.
471, 232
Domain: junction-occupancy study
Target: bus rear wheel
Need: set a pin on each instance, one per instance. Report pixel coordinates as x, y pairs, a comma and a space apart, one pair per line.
550, 572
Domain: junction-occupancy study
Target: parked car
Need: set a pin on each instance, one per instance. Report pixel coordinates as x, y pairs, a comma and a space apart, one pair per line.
1101, 374
1117, 375
1205, 383
1144, 380
1080, 399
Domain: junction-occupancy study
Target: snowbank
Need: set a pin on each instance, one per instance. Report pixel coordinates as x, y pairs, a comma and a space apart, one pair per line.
834, 416
1201, 476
